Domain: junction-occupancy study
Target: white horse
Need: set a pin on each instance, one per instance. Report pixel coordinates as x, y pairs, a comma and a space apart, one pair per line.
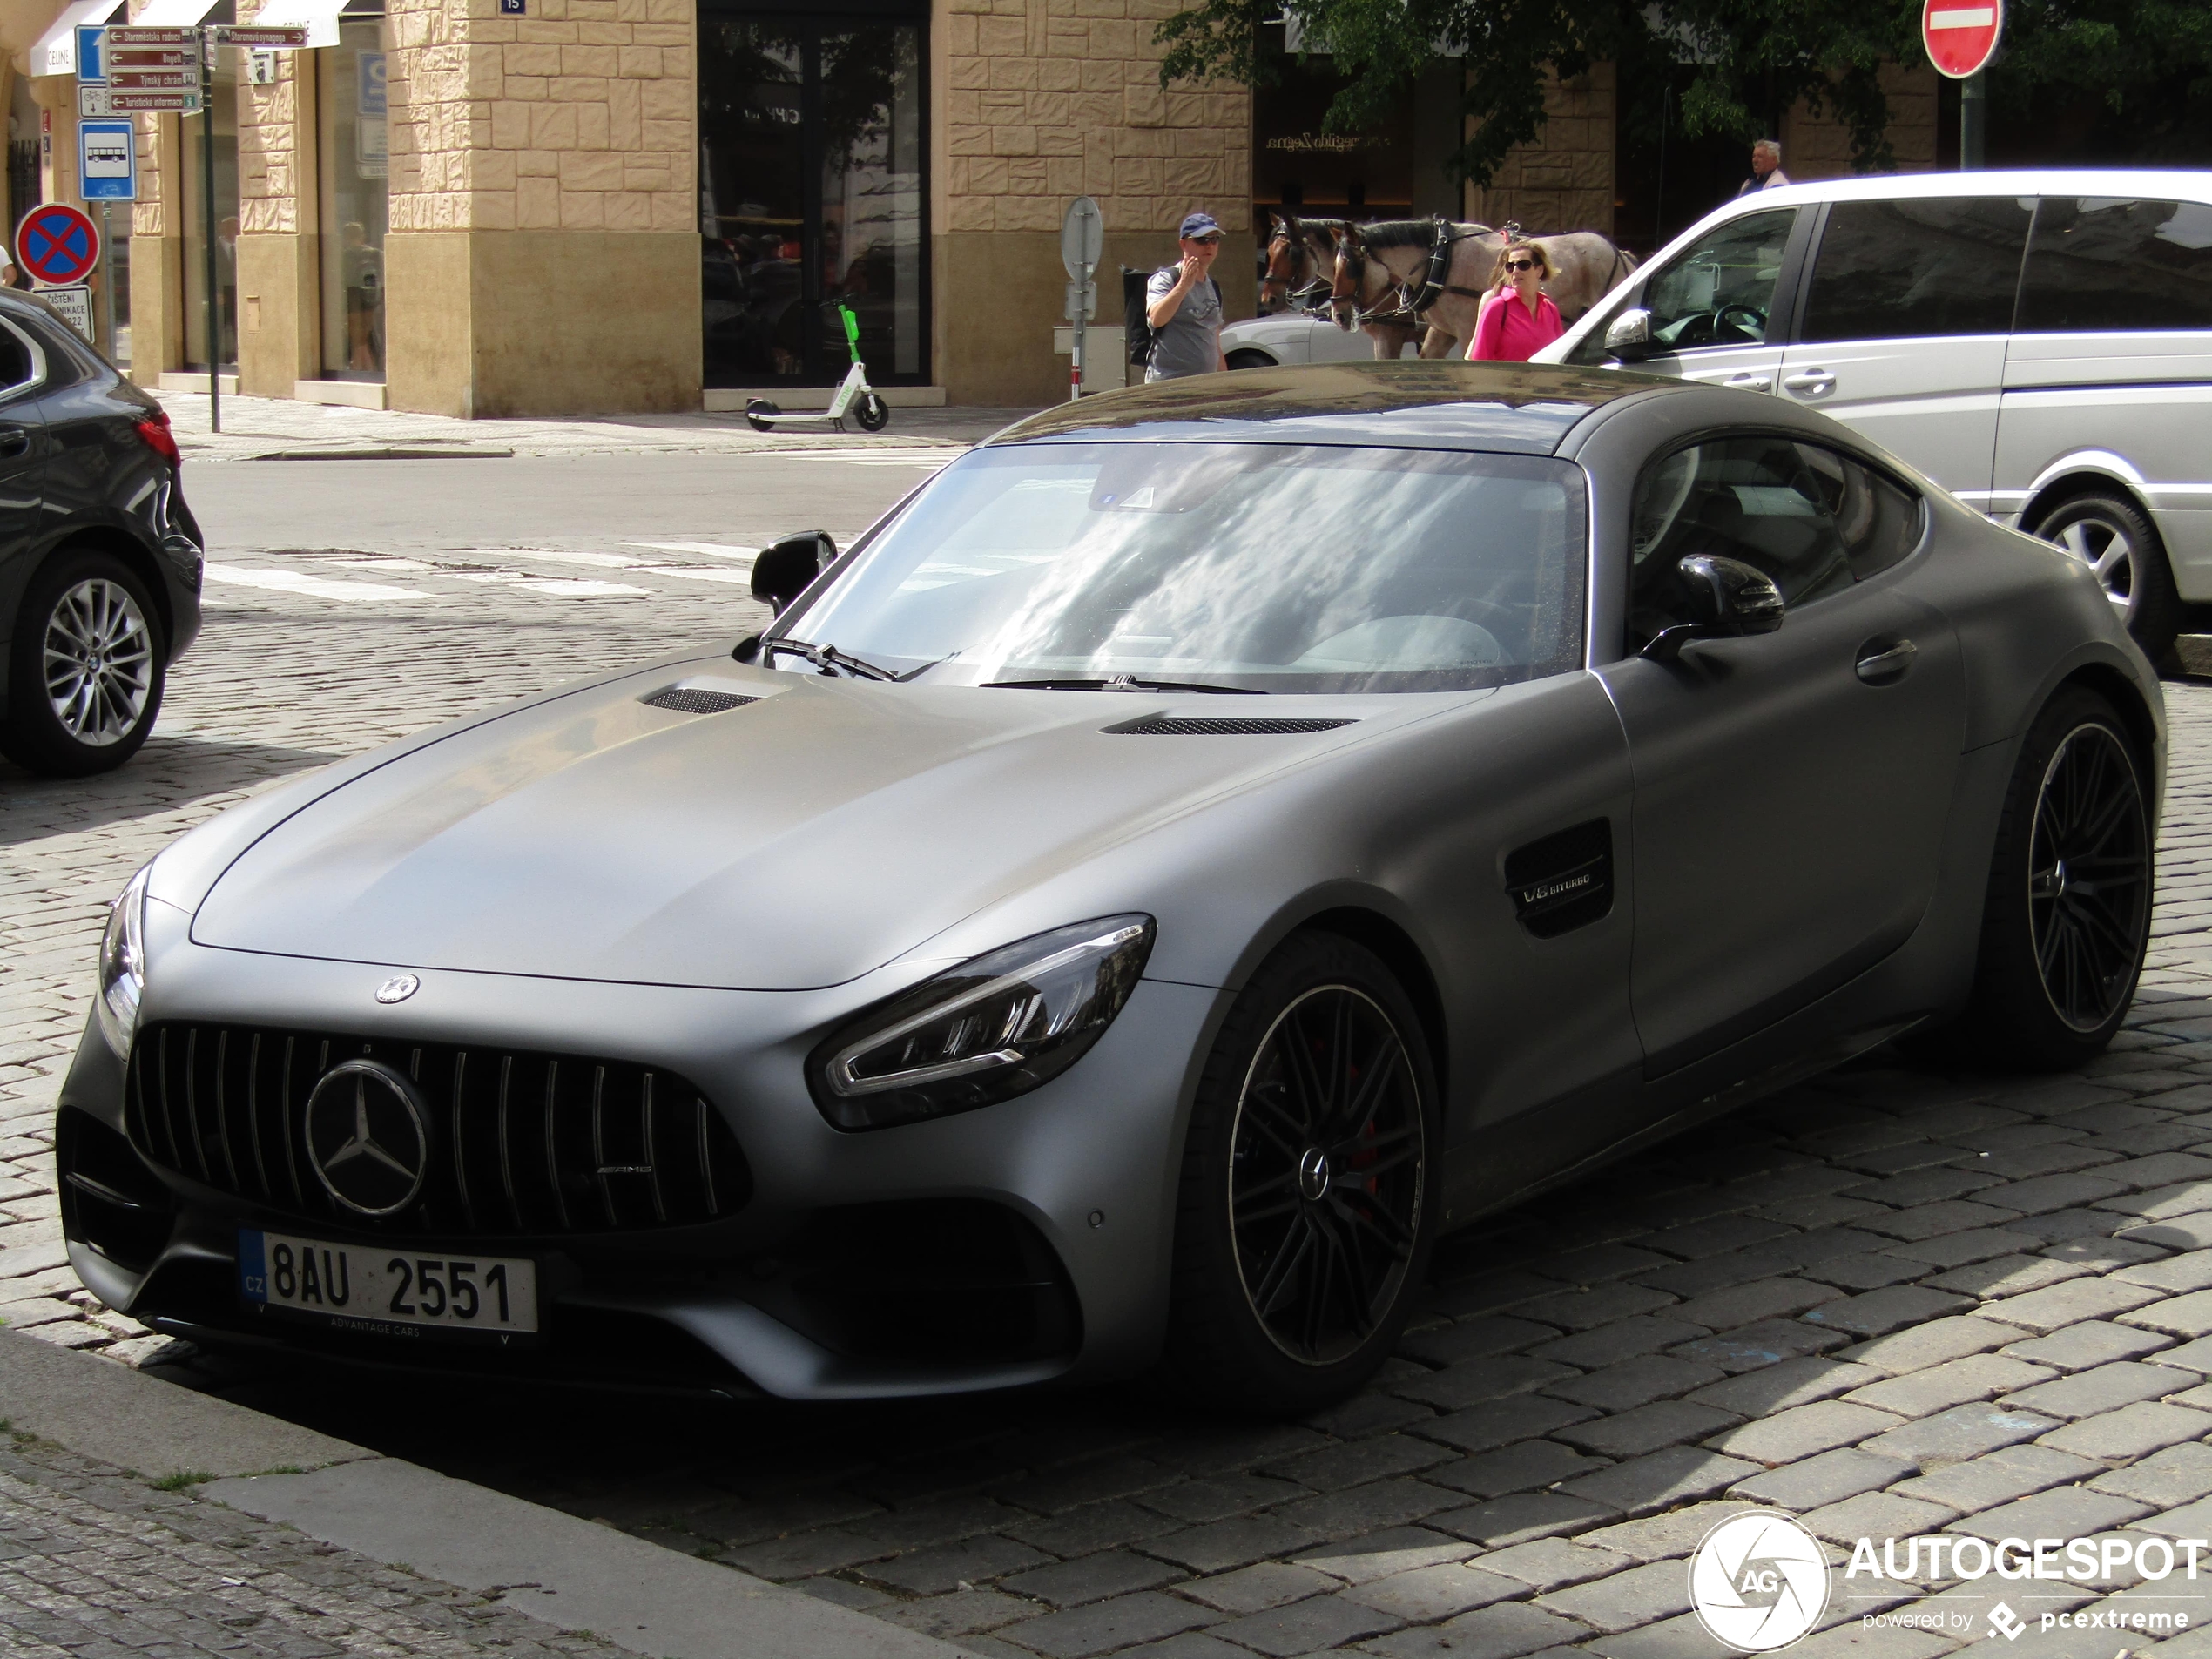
1439, 271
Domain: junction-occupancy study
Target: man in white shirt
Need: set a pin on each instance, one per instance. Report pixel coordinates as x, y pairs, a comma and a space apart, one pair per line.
1766, 168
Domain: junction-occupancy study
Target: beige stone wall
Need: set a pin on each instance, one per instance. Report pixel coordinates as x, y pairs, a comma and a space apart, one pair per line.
1563, 180
1038, 102
581, 116
1820, 146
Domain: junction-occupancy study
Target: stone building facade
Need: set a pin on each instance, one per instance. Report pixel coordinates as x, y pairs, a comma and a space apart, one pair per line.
485, 207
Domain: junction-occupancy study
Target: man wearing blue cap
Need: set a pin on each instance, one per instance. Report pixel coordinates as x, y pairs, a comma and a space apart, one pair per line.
1182, 303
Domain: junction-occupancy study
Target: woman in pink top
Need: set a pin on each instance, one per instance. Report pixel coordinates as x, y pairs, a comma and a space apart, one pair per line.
1517, 316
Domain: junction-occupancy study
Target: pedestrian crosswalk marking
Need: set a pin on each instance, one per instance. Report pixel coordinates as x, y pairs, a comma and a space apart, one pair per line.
301, 581
712, 550
692, 573
570, 587
550, 554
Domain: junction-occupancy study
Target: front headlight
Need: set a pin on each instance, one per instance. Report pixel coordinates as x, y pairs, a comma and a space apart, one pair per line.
123, 966
993, 1028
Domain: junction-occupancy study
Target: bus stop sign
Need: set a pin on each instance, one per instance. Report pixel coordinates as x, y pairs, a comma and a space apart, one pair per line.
1960, 35
57, 244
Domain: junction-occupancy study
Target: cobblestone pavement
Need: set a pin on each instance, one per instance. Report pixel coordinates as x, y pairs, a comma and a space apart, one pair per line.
1891, 1301
95, 1563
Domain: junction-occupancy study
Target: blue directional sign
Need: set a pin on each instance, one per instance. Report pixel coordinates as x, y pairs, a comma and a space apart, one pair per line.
92, 54
107, 161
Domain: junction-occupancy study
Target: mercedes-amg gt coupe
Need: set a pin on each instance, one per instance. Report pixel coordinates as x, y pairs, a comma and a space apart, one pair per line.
1202, 845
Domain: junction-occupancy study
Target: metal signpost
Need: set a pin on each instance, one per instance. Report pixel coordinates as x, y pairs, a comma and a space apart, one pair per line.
1961, 38
1083, 238
171, 70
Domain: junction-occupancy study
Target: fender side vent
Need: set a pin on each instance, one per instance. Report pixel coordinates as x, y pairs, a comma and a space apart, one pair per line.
1205, 725
1564, 881
683, 700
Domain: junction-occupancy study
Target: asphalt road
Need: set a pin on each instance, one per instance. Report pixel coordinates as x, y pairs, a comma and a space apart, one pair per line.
1891, 1302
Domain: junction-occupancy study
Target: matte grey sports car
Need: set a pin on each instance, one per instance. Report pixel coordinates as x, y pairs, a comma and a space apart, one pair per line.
1197, 847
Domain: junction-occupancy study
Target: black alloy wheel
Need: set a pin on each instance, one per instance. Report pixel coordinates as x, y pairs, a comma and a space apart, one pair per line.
2089, 877
1309, 1186
1325, 1175
2066, 916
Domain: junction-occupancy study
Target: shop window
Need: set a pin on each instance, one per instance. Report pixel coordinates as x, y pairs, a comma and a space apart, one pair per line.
811, 192
193, 131
353, 155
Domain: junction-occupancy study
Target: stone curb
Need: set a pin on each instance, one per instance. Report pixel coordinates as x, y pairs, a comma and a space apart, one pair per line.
568, 1573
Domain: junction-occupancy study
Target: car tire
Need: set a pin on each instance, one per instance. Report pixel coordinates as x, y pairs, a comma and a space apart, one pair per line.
85, 668
2116, 538
1309, 1189
2061, 947
1249, 358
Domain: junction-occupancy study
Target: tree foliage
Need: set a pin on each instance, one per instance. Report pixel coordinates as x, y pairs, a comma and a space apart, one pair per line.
1735, 64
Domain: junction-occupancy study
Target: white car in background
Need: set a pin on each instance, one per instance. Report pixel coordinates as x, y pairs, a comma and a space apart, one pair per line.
1289, 338
2040, 343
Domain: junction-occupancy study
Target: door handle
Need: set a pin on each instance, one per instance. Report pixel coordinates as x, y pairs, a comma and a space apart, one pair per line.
1885, 662
13, 440
1810, 383
1750, 382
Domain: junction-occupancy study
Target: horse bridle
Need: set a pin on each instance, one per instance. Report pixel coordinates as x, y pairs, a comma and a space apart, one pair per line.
1412, 306
1304, 297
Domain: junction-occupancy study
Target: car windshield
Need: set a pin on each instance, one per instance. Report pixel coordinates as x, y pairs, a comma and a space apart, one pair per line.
1232, 566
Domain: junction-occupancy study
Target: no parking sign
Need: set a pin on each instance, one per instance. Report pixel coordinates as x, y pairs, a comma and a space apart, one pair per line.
57, 244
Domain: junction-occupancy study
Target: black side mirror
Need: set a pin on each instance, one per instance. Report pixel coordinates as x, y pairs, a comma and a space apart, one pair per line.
783, 569
1727, 599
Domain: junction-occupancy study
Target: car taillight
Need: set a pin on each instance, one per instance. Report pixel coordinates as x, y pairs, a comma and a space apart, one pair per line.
156, 435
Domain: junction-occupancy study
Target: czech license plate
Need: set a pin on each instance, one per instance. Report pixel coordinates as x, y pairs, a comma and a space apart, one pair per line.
388, 1291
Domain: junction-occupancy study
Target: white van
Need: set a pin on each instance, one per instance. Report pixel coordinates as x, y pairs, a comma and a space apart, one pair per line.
2040, 343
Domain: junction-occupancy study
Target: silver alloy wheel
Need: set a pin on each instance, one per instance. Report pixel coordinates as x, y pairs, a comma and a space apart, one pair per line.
2106, 547
99, 662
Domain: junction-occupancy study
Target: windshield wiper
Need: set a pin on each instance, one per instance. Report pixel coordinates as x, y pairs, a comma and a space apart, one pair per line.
828, 658
1121, 683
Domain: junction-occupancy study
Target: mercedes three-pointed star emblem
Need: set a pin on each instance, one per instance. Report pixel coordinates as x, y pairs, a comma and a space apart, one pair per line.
368, 1137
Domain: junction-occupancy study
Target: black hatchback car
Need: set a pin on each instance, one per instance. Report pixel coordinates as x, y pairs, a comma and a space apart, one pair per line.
100, 559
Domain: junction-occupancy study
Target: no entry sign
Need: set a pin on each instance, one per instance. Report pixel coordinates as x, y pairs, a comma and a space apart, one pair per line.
57, 244
1960, 34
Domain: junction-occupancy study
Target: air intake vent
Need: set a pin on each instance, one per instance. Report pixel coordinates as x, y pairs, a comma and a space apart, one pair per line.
1206, 725
683, 700
1564, 881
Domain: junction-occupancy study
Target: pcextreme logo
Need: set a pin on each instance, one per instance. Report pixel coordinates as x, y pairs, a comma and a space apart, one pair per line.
1758, 1582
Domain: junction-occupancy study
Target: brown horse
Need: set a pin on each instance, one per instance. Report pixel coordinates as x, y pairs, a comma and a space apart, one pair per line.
1298, 251
1439, 271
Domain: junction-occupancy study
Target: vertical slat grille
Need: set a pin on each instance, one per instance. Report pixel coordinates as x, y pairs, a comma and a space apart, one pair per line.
580, 1146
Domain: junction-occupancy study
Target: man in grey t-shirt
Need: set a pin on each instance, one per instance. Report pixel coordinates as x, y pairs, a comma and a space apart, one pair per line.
1183, 306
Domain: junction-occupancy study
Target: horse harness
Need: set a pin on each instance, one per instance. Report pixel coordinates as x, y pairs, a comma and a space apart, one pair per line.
1413, 304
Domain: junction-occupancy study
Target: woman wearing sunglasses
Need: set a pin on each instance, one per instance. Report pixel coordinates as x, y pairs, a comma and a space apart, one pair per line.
1517, 316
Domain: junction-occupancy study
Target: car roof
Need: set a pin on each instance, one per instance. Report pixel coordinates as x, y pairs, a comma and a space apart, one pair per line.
2126, 183
1521, 408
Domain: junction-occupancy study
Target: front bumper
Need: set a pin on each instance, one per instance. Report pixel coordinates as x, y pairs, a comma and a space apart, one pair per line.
1022, 1243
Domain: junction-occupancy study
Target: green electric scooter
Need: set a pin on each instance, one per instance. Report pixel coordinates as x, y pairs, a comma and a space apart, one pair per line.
854, 395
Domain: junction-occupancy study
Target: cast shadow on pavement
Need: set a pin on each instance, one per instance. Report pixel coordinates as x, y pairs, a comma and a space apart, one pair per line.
169, 772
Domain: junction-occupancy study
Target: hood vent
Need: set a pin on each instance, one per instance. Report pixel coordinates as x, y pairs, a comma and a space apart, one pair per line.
1207, 725
684, 700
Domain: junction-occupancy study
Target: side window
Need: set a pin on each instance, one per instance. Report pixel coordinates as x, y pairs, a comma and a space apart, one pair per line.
15, 360
2099, 265
1891, 270
1720, 292
1814, 520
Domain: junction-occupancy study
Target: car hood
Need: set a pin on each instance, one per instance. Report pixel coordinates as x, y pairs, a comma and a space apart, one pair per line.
799, 841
